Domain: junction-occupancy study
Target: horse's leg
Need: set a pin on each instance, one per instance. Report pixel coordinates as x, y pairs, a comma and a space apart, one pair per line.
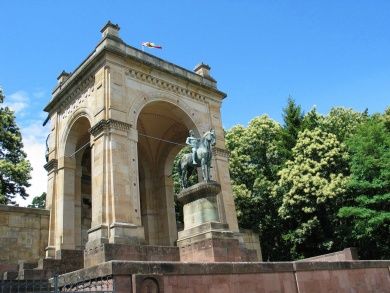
207, 167
203, 163
182, 178
208, 173
185, 175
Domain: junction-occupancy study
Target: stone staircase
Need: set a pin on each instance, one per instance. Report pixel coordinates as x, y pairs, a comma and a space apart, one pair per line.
65, 261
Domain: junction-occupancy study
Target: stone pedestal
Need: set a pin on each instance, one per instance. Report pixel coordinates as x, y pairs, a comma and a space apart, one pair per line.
125, 252
205, 238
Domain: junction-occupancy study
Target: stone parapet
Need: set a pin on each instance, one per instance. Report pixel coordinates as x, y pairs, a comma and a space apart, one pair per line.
345, 254
348, 276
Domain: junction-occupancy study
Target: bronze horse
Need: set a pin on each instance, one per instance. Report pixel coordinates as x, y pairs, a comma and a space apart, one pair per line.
202, 159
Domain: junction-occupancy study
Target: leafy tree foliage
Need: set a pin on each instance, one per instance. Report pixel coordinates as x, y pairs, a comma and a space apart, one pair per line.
307, 184
38, 202
312, 119
14, 167
342, 122
255, 159
366, 214
293, 118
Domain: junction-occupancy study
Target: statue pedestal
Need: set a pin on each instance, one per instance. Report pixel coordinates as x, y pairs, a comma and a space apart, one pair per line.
205, 238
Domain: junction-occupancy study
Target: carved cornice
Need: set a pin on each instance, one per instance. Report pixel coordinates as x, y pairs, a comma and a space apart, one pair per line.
162, 84
104, 125
51, 165
221, 152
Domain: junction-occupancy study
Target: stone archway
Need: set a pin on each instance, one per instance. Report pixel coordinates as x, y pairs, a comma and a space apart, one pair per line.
74, 218
162, 130
117, 100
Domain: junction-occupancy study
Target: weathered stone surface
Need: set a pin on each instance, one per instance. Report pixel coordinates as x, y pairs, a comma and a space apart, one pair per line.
23, 234
198, 191
109, 251
346, 254
352, 276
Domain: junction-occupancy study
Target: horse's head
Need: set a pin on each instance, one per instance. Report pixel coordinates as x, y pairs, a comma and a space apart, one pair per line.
210, 137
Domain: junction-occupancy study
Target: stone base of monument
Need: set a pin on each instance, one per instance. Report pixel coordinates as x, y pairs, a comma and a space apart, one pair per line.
113, 251
205, 238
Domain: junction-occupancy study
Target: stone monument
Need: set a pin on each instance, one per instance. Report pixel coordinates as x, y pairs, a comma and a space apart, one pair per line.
110, 190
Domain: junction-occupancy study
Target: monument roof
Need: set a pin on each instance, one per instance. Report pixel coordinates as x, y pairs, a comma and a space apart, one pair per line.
111, 42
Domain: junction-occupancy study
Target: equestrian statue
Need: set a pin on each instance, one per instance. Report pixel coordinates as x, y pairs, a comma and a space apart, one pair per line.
199, 157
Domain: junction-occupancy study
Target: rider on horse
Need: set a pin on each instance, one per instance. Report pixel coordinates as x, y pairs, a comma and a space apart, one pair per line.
193, 142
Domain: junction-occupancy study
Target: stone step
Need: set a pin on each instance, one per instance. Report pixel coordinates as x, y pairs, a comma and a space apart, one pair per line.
10, 275
33, 274
49, 263
7, 268
22, 265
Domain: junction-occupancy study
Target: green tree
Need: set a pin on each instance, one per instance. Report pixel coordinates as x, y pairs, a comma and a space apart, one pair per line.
342, 122
293, 117
38, 202
312, 119
255, 159
14, 167
366, 212
308, 186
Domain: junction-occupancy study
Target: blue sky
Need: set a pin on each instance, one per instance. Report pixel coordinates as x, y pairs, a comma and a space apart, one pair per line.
323, 53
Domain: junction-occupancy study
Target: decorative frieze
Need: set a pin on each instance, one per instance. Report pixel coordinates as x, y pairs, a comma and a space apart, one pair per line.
162, 84
77, 97
220, 152
51, 165
103, 125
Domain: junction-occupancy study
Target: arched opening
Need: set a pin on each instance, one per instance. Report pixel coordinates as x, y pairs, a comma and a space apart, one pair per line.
162, 131
77, 204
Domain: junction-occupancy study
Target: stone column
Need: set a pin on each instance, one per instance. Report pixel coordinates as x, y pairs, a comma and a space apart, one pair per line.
226, 206
77, 203
51, 168
115, 191
66, 206
123, 190
220, 171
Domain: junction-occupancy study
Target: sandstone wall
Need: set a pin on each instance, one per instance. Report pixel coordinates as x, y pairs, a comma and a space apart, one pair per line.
265, 277
23, 233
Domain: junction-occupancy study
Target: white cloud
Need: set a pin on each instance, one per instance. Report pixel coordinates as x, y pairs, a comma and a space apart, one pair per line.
34, 140
17, 101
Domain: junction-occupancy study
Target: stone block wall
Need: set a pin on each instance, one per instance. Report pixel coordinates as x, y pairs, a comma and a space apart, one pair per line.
265, 277
23, 234
251, 242
342, 255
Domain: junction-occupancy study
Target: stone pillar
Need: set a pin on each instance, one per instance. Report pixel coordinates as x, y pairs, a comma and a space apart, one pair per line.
115, 192
98, 233
77, 203
65, 238
226, 206
125, 225
51, 168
